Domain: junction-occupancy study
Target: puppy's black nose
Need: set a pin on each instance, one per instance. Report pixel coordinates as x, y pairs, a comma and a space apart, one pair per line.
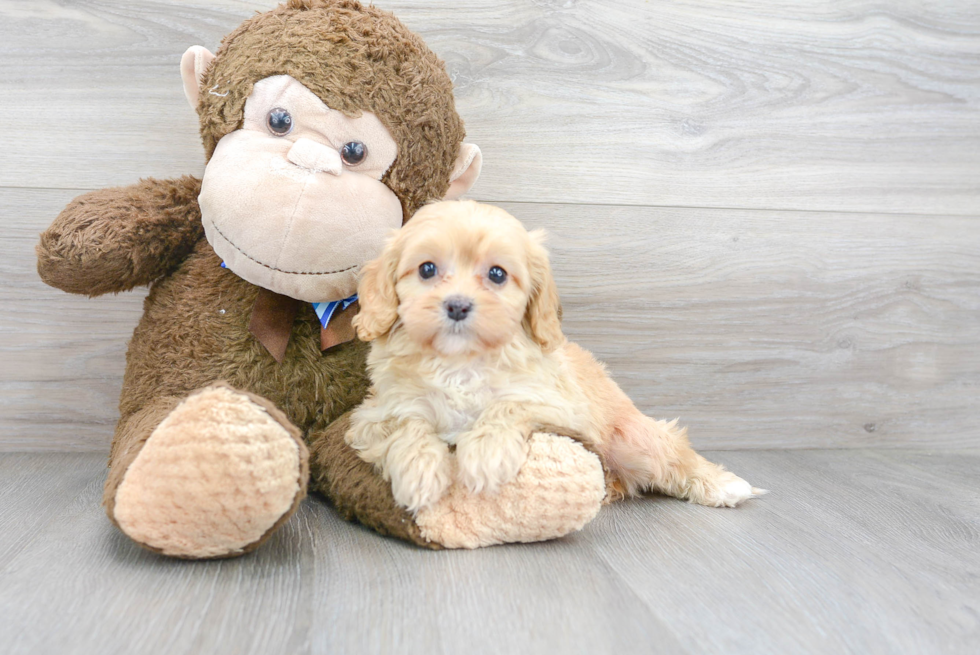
457, 307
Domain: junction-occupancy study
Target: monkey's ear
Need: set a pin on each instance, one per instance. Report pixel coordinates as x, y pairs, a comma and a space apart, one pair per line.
467, 169
192, 66
377, 295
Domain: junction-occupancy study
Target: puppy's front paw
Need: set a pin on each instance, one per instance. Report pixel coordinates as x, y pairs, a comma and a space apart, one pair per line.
421, 479
490, 457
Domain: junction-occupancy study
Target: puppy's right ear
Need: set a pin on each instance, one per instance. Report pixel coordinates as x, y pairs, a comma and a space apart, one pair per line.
376, 295
542, 319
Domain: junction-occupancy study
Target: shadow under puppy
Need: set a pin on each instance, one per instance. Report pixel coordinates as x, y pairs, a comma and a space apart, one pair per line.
468, 353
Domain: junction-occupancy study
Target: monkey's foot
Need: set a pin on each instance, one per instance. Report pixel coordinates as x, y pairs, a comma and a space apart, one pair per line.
558, 490
219, 474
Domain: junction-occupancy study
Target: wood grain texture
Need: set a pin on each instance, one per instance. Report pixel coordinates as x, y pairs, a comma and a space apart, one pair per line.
856, 106
758, 329
779, 329
853, 552
62, 356
849, 537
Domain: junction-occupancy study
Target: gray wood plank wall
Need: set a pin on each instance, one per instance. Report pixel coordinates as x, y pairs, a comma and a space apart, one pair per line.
764, 215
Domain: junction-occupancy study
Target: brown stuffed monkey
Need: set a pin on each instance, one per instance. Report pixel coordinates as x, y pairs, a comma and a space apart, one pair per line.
326, 124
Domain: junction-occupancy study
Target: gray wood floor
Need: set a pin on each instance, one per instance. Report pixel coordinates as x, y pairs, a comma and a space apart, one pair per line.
854, 552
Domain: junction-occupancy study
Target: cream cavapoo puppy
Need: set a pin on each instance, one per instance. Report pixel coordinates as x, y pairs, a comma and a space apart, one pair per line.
468, 354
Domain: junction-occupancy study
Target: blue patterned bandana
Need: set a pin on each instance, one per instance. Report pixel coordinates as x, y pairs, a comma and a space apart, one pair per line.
325, 310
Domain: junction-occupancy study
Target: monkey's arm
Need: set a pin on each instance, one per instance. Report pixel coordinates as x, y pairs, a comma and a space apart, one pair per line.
115, 239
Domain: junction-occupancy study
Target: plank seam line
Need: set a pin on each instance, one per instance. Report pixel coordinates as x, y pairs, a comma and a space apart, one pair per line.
50, 188
740, 209
969, 215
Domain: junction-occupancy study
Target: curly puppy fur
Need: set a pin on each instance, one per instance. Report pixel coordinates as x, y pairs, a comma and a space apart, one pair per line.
468, 353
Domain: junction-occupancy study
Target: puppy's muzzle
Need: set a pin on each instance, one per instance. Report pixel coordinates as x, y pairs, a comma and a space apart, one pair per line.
458, 307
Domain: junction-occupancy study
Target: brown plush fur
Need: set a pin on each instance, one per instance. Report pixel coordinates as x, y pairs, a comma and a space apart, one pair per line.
184, 342
154, 225
365, 49
194, 330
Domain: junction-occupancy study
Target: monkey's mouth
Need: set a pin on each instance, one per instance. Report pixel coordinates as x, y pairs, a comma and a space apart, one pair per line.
275, 268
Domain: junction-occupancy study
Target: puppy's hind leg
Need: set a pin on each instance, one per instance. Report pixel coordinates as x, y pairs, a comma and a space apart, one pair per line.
647, 454
644, 453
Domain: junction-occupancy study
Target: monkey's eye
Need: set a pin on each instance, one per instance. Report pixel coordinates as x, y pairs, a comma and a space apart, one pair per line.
427, 270
353, 153
497, 275
280, 122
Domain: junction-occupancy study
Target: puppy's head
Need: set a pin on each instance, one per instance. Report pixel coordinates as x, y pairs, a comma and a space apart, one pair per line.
462, 278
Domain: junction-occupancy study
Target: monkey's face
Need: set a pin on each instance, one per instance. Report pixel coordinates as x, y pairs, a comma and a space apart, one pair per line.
293, 201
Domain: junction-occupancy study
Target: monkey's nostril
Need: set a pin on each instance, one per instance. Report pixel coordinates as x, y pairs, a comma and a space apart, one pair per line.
457, 307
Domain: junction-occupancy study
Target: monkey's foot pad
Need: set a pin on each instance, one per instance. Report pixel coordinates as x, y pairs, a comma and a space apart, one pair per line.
558, 490
214, 479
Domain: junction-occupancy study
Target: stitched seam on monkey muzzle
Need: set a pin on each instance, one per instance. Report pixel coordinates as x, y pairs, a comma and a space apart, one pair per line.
273, 268
292, 215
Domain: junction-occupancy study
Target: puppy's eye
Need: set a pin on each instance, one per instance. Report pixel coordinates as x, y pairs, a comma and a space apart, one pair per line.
497, 275
427, 270
280, 121
353, 153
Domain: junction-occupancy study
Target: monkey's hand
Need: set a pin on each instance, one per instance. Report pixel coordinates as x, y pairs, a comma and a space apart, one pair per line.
115, 239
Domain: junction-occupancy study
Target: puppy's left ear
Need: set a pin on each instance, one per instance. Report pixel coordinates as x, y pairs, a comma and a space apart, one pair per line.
541, 319
377, 296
